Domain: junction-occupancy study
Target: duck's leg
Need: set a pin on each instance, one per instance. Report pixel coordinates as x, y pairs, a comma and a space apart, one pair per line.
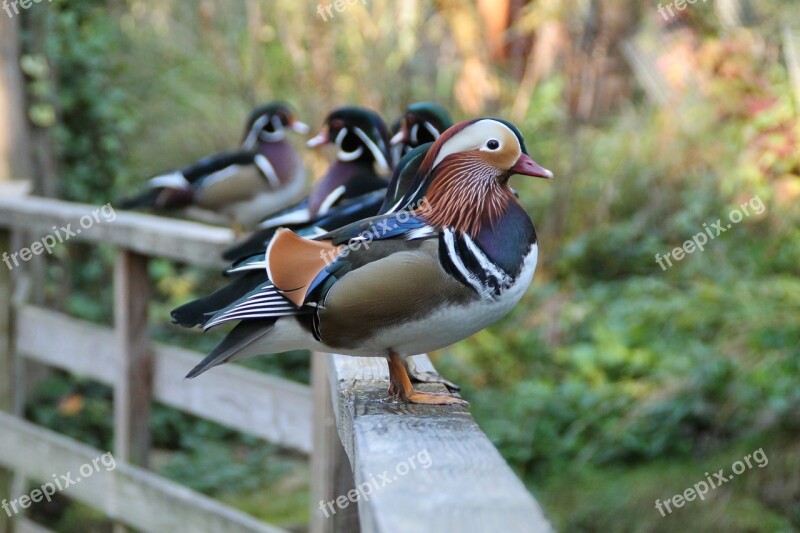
418, 376
400, 386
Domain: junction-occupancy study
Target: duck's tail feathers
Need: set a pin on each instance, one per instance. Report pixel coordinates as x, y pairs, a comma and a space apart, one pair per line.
243, 335
158, 198
200, 311
144, 200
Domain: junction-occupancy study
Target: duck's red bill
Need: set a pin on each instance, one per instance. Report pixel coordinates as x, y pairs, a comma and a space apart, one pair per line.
319, 140
528, 167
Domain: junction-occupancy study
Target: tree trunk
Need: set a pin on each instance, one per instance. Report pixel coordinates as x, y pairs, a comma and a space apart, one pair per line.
41, 152
15, 161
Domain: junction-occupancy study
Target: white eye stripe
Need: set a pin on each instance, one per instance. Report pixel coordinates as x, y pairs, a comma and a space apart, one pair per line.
271, 137
350, 156
474, 137
377, 152
414, 134
343, 154
255, 129
340, 136
433, 131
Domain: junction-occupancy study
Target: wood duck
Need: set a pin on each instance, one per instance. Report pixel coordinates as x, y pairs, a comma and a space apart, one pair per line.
422, 122
265, 175
355, 182
431, 117
456, 255
247, 272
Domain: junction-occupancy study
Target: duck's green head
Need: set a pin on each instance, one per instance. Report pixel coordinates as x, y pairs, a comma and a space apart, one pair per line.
359, 134
269, 122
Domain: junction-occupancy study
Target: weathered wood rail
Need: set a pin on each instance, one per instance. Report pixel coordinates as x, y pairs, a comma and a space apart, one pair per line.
458, 480
429, 468
130, 495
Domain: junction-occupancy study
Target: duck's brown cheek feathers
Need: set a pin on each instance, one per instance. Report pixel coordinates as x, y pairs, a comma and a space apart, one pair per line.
500, 160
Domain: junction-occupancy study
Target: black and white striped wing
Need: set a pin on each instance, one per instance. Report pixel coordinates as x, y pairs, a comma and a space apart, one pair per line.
263, 302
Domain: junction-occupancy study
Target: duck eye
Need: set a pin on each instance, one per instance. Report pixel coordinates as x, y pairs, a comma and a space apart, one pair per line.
493, 144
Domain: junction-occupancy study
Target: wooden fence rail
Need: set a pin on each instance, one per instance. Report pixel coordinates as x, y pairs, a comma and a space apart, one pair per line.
127, 494
139, 370
352, 435
422, 468
270, 407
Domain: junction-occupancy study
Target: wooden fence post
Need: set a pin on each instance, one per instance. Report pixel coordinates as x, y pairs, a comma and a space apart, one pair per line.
331, 474
132, 391
7, 363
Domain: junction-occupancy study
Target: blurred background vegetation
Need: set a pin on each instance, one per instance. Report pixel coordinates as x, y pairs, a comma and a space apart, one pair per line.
613, 383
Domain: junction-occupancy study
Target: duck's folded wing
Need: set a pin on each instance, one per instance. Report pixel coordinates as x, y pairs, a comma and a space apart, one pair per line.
265, 301
299, 271
350, 211
298, 220
404, 186
403, 225
303, 269
216, 163
295, 214
200, 311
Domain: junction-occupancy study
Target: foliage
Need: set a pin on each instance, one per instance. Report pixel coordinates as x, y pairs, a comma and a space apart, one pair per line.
612, 377
642, 371
96, 115
760, 499
75, 407
200, 454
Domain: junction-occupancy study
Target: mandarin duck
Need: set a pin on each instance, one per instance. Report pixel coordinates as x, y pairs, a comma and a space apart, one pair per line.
456, 254
355, 182
265, 175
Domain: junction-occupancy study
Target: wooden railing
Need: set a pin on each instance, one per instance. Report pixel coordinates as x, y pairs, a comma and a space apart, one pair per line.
429, 469
457, 481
